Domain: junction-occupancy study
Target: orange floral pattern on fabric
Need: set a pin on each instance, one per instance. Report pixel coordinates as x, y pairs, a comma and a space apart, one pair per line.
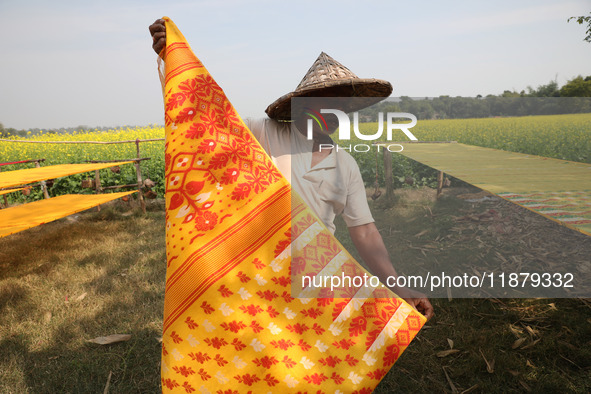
231, 324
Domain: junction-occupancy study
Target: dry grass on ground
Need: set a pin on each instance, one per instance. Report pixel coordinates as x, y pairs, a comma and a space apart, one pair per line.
73, 280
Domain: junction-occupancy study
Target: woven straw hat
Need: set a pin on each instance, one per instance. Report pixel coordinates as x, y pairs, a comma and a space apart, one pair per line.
329, 78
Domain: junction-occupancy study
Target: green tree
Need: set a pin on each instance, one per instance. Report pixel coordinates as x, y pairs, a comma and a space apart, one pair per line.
577, 87
583, 20
549, 90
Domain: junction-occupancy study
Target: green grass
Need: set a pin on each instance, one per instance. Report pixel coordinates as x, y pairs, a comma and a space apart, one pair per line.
119, 261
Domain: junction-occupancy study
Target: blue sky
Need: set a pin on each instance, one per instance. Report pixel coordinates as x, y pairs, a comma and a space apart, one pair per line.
70, 63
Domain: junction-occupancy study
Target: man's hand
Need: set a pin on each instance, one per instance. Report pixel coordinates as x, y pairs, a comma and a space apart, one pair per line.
158, 32
419, 301
371, 248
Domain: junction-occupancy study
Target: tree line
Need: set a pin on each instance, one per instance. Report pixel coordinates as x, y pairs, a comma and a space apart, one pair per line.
549, 99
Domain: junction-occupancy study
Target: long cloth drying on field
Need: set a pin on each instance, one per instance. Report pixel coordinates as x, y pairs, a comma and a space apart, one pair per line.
230, 323
25, 216
30, 175
557, 189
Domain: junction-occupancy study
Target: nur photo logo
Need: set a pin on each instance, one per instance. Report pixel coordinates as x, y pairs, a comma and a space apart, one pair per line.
344, 128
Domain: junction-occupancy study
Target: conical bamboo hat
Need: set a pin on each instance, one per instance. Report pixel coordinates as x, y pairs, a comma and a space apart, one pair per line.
329, 78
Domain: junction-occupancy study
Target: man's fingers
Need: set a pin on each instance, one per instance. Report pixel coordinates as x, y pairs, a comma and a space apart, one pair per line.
159, 46
158, 36
426, 308
157, 26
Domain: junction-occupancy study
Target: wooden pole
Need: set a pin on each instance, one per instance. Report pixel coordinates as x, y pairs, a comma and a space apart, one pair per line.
21, 162
80, 142
439, 183
388, 174
43, 186
97, 186
120, 186
139, 177
116, 161
5, 199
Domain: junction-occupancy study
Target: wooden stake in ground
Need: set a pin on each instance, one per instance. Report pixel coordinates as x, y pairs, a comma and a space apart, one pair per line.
43, 186
97, 186
139, 177
439, 183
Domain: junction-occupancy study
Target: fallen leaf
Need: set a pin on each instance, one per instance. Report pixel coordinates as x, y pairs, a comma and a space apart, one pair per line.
517, 343
81, 296
445, 353
419, 235
106, 391
531, 344
110, 339
451, 343
490, 366
451, 384
534, 333
514, 373
529, 364
552, 306
516, 330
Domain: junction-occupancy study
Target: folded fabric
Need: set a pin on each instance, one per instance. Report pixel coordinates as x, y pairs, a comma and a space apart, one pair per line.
25, 216
30, 175
231, 324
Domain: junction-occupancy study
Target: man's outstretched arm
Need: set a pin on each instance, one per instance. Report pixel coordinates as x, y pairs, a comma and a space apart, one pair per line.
369, 243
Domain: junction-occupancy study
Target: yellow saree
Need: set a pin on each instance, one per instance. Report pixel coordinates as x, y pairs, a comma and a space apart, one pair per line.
230, 322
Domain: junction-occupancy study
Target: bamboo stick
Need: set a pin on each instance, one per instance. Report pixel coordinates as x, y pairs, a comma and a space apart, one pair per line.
439, 183
43, 185
21, 186
116, 161
119, 186
82, 142
138, 172
22, 162
5, 199
97, 186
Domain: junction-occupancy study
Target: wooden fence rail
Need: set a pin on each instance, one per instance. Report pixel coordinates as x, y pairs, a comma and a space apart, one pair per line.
82, 142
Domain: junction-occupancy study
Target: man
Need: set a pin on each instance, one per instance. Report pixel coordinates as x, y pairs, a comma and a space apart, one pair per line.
328, 180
